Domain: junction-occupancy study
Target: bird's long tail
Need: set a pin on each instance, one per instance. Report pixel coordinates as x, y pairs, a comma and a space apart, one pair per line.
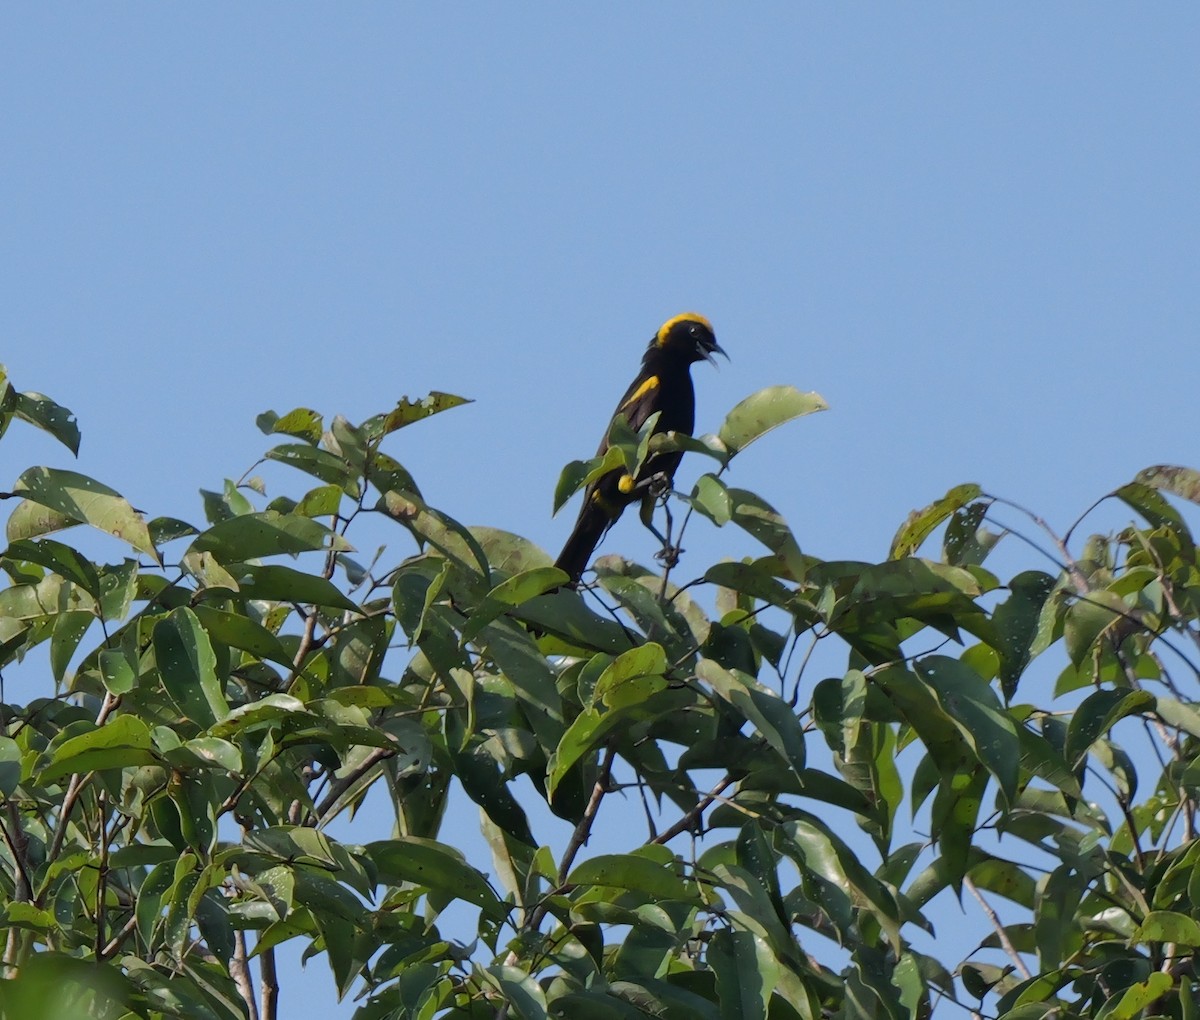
588, 531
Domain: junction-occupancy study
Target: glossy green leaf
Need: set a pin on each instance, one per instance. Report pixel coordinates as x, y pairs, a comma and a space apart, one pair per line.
519, 990
747, 973
1016, 622
119, 743
432, 865
187, 665
1099, 712
252, 536
277, 583
1168, 926
239, 631
970, 701
68, 563
774, 718
80, 498
579, 474
921, 523
406, 412
763, 411
43, 413
633, 872
1089, 617
302, 422
31, 519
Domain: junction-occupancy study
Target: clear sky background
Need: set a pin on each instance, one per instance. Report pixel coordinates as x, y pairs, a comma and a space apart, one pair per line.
975, 229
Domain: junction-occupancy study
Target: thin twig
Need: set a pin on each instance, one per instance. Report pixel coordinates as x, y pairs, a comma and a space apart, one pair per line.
584, 829
689, 820
74, 788
239, 970
1001, 934
269, 999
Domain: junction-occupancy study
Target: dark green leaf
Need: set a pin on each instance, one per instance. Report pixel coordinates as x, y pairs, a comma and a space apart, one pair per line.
187, 665
432, 865
1099, 712
43, 413
252, 536
286, 584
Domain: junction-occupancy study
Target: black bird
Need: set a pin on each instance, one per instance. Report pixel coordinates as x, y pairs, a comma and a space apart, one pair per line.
663, 385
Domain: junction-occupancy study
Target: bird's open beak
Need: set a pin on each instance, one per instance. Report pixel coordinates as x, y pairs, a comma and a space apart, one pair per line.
711, 349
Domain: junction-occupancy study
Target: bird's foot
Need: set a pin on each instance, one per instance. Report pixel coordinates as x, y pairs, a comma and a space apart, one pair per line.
669, 555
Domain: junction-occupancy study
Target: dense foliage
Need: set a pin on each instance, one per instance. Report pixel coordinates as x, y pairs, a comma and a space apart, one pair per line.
181, 798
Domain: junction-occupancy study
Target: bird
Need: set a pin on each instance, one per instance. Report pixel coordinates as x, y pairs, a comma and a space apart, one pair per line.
664, 385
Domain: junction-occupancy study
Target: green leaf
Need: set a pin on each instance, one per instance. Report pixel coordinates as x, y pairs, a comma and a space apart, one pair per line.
121, 742
252, 536
10, 766
80, 498
1099, 712
239, 631
61, 559
432, 865
747, 973
187, 665
1154, 508
31, 519
1178, 481
711, 497
762, 411
116, 671
320, 464
1016, 622
43, 413
302, 422
518, 589
970, 701
212, 752
1168, 926
520, 991
69, 629
633, 872
1129, 1002
648, 660
408, 411
286, 584
763, 522
921, 523
1087, 619
579, 474
323, 501
773, 717
753, 579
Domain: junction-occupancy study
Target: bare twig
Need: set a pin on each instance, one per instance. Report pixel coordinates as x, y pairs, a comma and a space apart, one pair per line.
688, 821
239, 970
269, 999
584, 829
75, 787
1001, 934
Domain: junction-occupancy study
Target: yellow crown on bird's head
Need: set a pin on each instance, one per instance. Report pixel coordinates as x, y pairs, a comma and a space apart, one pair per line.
690, 335
667, 327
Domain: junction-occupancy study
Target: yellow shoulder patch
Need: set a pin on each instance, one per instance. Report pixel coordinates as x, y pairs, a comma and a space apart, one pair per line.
641, 391
626, 484
660, 337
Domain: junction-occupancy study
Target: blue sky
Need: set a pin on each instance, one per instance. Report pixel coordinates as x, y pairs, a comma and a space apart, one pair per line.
973, 228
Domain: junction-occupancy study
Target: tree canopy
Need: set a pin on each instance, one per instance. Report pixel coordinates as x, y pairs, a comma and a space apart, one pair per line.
182, 796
